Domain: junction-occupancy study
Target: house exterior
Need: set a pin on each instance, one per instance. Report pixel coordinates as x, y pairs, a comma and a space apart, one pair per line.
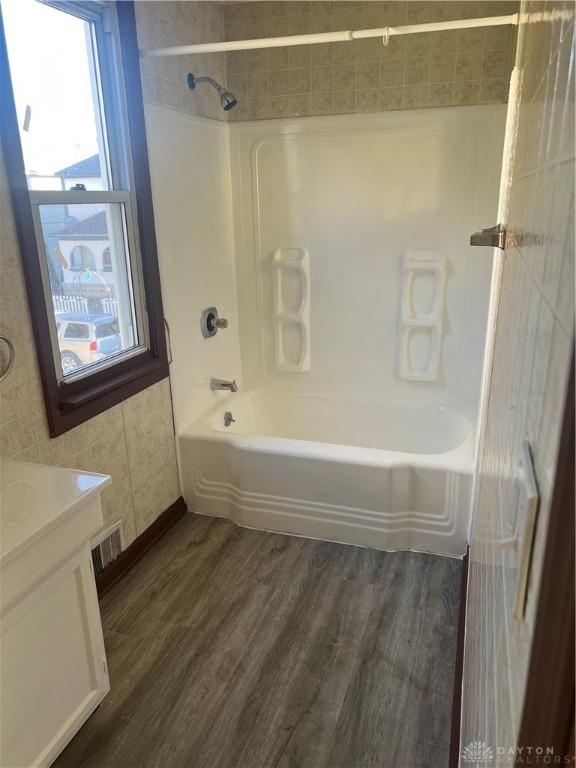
77, 237
83, 250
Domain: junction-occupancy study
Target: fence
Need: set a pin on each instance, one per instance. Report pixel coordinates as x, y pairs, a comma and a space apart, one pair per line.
70, 304
80, 304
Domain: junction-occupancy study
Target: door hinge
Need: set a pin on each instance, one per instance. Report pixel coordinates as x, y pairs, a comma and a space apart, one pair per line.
492, 237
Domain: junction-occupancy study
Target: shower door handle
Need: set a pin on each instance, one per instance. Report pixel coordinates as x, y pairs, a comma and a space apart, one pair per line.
492, 237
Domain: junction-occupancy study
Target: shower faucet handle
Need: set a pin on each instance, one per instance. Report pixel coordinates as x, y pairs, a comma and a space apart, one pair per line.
210, 322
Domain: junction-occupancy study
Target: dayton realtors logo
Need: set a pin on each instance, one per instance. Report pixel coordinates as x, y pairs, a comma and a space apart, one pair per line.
477, 753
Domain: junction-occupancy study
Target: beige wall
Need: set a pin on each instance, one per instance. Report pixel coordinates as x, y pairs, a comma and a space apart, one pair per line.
134, 441
164, 79
534, 341
427, 70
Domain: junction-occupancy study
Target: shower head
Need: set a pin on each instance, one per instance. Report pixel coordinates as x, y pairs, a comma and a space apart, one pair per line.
227, 99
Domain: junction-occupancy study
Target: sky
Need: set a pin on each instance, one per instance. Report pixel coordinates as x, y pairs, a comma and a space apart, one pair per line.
48, 57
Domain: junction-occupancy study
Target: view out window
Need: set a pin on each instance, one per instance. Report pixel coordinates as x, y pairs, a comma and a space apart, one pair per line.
79, 128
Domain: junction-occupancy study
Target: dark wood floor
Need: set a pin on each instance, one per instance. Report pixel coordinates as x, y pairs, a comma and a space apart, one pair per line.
232, 648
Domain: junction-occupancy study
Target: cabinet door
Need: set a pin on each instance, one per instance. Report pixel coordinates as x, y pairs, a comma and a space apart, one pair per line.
53, 672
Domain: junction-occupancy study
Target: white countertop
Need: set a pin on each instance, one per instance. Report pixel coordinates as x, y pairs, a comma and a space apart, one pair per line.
35, 497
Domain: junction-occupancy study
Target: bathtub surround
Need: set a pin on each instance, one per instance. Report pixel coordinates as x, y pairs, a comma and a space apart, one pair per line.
192, 193
233, 182
429, 70
361, 193
250, 659
533, 352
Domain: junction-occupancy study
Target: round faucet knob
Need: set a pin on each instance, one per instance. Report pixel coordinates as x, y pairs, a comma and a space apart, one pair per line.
221, 322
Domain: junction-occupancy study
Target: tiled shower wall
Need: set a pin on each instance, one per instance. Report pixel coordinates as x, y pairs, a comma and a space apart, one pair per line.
533, 351
425, 70
169, 23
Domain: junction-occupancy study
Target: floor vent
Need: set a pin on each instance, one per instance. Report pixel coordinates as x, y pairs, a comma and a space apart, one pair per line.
106, 547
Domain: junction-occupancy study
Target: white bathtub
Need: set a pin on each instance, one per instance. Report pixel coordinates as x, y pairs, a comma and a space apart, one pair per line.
384, 475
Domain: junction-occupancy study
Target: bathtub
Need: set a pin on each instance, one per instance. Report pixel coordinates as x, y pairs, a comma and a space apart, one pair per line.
384, 475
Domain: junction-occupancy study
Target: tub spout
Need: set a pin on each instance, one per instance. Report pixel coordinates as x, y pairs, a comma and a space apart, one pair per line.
216, 384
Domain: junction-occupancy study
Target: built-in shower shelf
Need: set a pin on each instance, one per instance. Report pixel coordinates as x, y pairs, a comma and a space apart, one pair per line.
291, 279
422, 314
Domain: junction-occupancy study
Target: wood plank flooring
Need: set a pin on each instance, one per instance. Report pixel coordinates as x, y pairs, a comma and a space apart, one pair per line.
233, 648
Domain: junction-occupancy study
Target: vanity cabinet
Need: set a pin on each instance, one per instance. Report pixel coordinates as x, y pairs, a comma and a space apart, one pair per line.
53, 671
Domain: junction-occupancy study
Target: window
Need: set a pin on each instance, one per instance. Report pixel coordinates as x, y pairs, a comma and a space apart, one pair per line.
77, 331
82, 258
106, 260
75, 149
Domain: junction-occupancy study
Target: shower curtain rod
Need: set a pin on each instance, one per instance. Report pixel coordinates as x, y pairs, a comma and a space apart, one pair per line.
329, 37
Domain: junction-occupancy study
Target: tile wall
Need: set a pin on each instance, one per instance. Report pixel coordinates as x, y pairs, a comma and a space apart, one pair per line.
534, 346
425, 70
164, 79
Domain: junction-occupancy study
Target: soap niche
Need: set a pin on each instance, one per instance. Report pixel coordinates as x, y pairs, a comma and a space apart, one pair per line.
291, 281
422, 314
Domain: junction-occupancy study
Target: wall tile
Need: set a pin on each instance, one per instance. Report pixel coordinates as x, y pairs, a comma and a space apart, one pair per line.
345, 77
417, 71
442, 68
344, 101
368, 100
440, 94
468, 66
390, 98
495, 64
392, 73
155, 486
479, 60
533, 350
493, 91
416, 96
466, 93
176, 23
369, 75
321, 79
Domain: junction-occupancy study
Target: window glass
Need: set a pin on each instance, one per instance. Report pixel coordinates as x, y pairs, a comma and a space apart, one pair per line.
58, 100
77, 331
75, 239
107, 329
107, 260
82, 257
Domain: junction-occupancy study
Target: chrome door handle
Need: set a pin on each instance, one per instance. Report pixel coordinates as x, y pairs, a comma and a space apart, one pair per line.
492, 237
